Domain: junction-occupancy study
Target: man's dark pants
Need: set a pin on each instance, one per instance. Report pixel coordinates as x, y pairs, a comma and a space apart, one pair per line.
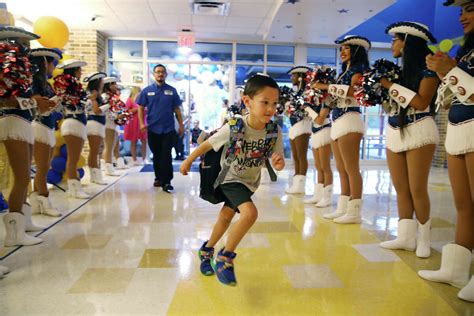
160, 146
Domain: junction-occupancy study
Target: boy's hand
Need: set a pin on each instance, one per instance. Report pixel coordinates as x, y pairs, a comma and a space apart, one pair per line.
278, 161
185, 167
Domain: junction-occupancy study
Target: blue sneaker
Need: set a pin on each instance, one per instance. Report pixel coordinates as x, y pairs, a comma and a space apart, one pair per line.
223, 265
206, 254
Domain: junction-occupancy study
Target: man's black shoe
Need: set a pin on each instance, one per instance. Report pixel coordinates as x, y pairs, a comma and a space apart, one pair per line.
157, 183
168, 188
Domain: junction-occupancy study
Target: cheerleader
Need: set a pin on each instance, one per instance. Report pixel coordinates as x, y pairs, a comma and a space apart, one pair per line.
299, 134
457, 91
321, 147
16, 133
73, 128
348, 128
95, 123
116, 106
43, 129
412, 136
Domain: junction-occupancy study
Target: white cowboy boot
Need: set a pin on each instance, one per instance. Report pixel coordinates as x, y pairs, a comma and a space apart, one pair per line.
29, 226
353, 213
455, 267
406, 236
75, 190
42, 205
96, 176
297, 186
121, 163
318, 192
15, 231
423, 241
326, 199
341, 208
110, 171
467, 292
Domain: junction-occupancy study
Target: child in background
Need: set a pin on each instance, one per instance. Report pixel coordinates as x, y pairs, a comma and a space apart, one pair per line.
261, 96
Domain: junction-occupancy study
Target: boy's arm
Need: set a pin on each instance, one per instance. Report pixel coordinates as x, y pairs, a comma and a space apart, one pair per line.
199, 151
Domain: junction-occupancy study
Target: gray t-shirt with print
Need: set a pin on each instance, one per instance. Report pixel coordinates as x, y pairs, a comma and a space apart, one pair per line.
246, 167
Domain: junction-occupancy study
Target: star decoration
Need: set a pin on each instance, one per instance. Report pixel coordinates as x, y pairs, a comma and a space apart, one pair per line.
343, 11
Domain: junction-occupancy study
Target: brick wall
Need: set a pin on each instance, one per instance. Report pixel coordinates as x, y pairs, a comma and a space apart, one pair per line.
89, 46
441, 119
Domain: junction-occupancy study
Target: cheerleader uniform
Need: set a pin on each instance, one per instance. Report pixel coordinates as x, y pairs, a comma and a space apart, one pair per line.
73, 101
95, 122
321, 133
456, 88
420, 128
346, 116
300, 123
44, 124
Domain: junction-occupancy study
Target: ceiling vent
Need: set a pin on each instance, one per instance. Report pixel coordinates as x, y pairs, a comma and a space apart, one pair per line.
216, 8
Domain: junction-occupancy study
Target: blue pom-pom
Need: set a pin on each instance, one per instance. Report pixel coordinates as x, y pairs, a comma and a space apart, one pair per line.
59, 164
63, 151
54, 177
81, 173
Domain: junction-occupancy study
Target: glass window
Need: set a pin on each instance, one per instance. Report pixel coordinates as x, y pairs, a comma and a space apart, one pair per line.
211, 52
119, 49
244, 72
280, 54
322, 56
129, 73
375, 54
280, 74
250, 53
162, 50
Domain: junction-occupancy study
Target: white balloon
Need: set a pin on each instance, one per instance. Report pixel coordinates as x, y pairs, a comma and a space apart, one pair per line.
195, 57
218, 75
207, 77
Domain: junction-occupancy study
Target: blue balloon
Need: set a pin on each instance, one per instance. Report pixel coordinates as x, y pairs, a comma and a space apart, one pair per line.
58, 164
63, 151
81, 173
54, 177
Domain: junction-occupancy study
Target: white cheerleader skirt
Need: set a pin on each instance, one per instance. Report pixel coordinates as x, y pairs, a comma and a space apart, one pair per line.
460, 138
321, 136
420, 132
110, 124
300, 128
348, 122
74, 127
43, 134
15, 127
95, 128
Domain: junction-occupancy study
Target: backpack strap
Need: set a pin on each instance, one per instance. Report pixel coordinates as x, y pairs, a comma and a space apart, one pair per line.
270, 141
236, 125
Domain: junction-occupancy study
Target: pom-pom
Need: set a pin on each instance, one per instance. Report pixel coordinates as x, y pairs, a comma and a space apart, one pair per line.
16, 71
369, 91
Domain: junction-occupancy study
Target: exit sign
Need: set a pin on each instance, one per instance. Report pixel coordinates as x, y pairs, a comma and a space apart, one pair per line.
186, 40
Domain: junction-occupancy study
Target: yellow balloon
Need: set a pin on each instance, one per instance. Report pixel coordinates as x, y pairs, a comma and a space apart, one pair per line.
65, 57
53, 31
57, 72
446, 45
433, 48
81, 163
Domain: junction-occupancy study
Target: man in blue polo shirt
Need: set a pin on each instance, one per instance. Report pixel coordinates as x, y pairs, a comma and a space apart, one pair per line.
162, 103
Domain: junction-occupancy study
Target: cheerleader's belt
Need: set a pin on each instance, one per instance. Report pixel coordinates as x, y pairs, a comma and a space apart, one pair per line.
460, 113
317, 129
81, 117
98, 118
48, 121
26, 114
338, 112
409, 119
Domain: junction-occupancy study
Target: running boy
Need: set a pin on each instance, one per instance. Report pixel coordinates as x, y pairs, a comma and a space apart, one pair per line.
261, 96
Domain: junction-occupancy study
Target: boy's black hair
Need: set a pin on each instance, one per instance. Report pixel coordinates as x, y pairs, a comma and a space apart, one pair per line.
257, 83
160, 65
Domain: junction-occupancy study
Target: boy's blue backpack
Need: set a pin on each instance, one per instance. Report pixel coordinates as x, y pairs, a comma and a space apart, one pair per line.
210, 169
